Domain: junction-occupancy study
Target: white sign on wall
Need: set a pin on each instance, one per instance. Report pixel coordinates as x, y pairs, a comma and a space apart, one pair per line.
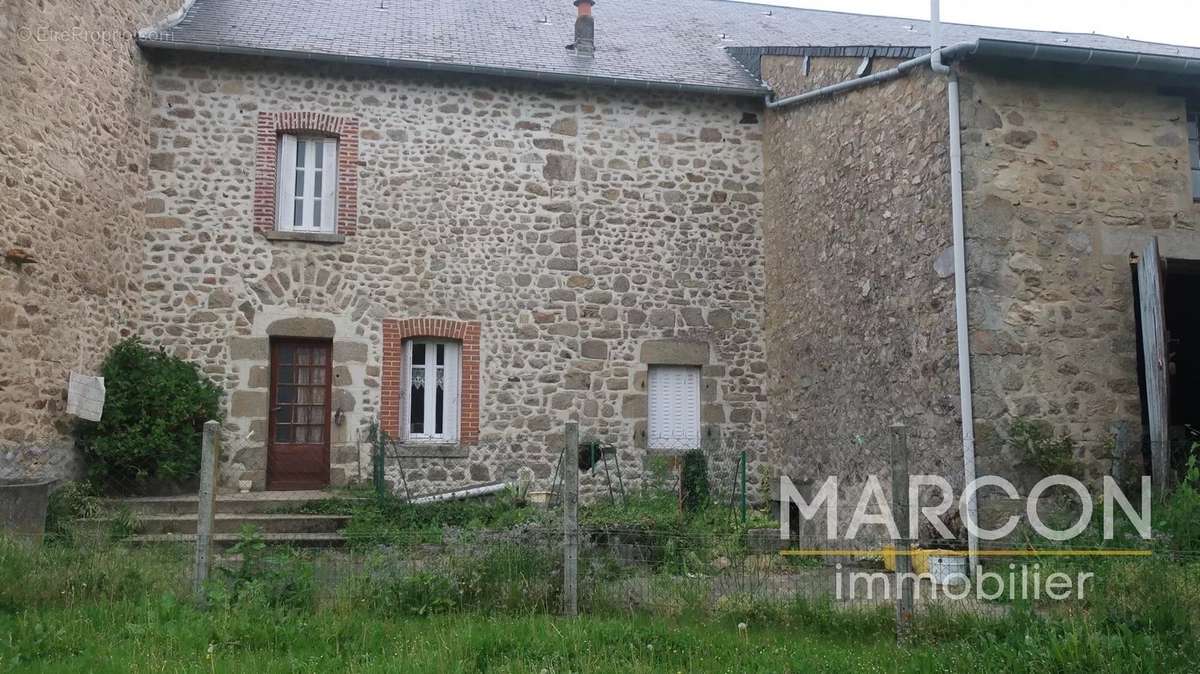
85, 396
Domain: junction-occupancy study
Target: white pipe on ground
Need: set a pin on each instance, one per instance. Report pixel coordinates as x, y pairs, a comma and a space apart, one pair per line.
460, 494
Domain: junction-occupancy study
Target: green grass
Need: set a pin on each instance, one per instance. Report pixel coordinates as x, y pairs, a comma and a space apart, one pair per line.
106, 608
164, 634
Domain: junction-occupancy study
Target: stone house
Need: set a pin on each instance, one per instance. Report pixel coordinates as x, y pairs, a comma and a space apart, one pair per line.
474, 222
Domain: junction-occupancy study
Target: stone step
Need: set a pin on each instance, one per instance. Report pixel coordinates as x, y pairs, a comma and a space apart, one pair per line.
263, 502
224, 523
222, 541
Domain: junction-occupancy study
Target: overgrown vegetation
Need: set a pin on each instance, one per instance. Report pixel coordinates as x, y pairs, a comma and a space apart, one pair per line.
503, 578
278, 578
154, 412
391, 521
416, 589
1179, 516
76, 513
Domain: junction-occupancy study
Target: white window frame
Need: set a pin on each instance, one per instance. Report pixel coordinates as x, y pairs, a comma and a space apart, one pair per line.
311, 210
673, 407
453, 388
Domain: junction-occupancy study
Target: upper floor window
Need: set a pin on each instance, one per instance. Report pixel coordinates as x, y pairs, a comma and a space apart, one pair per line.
307, 184
433, 392
1193, 125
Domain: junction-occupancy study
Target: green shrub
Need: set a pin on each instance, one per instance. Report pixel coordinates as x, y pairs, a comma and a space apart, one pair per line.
154, 413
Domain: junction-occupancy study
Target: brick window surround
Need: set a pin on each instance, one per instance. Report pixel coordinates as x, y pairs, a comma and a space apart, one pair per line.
391, 394
266, 162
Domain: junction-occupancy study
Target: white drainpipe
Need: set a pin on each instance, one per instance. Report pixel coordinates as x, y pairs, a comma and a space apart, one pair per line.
965, 403
934, 59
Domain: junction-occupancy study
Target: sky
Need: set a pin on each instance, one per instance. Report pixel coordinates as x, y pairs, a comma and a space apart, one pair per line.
1169, 21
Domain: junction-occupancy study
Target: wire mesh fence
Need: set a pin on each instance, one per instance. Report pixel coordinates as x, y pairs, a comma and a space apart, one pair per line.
645, 550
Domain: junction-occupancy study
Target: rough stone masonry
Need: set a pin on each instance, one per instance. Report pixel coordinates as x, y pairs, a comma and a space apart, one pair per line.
588, 232
75, 105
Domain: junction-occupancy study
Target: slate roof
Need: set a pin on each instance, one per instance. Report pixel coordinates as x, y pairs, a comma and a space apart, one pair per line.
655, 43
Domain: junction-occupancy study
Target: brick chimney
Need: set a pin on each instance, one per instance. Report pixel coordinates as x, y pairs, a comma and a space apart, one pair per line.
585, 29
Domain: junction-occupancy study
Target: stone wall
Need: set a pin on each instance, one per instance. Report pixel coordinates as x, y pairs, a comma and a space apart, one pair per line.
860, 295
1064, 178
575, 225
75, 103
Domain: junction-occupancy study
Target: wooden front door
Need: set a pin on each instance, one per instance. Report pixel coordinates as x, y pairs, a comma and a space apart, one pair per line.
298, 446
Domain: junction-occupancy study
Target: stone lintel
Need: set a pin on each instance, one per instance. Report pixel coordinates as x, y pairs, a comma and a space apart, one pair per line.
674, 352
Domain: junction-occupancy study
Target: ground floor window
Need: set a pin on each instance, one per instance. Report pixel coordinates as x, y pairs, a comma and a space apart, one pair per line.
674, 407
432, 383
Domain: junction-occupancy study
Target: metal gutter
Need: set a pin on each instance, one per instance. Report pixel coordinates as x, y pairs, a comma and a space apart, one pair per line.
1011, 50
892, 73
1086, 56
148, 41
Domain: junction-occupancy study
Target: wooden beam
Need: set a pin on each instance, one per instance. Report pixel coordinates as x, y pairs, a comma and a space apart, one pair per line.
1154, 351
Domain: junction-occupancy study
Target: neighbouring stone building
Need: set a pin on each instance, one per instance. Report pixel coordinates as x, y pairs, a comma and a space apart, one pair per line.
75, 120
1066, 172
434, 216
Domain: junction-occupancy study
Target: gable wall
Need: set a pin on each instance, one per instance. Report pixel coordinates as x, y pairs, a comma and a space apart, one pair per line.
860, 307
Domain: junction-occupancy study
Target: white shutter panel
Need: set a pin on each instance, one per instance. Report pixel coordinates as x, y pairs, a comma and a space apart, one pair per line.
285, 176
674, 407
453, 389
329, 186
406, 391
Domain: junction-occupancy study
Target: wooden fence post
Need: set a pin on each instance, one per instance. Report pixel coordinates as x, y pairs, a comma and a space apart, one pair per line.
206, 505
904, 576
570, 521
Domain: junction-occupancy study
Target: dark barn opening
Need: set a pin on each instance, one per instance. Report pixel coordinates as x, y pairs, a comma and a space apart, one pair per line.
1181, 307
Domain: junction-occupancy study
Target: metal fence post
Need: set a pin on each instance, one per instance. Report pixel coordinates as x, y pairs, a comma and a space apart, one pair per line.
745, 497
904, 576
210, 453
377, 459
570, 503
